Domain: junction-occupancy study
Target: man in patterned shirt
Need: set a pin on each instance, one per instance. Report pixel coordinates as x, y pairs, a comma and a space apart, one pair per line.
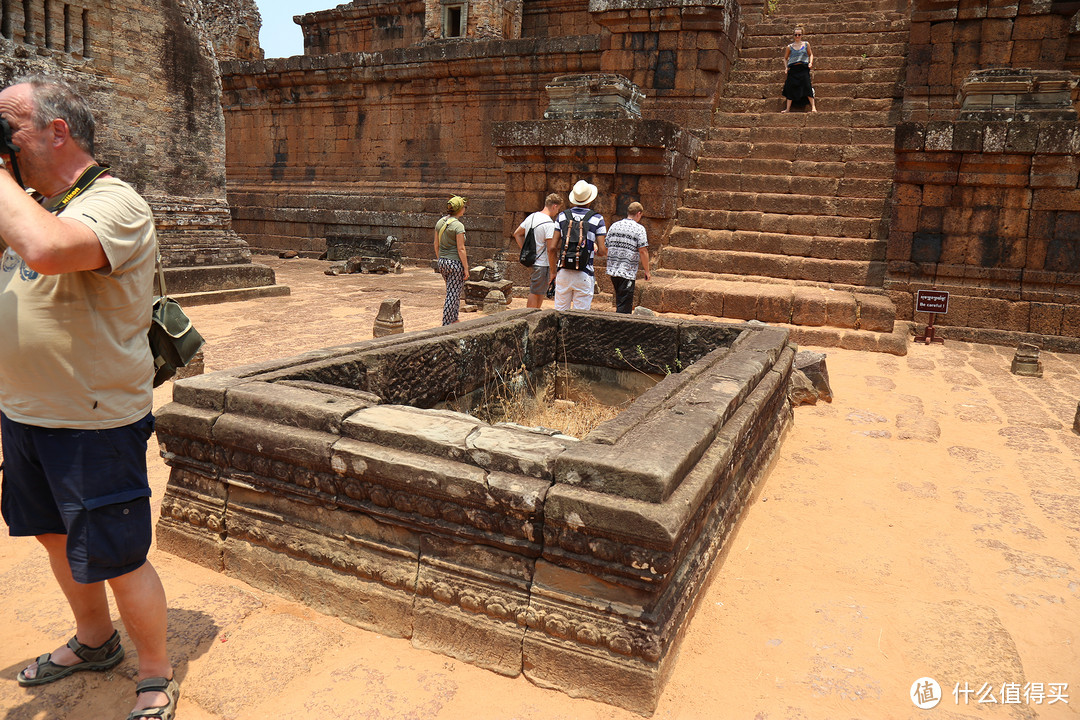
627, 244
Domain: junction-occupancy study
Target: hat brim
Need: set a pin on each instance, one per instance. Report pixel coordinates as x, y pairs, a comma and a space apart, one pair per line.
589, 197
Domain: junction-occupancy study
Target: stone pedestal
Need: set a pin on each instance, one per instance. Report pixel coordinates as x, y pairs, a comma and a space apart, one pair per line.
477, 291
1047, 93
1026, 361
591, 96
389, 320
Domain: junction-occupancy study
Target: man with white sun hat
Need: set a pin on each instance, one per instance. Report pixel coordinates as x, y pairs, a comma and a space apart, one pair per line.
579, 237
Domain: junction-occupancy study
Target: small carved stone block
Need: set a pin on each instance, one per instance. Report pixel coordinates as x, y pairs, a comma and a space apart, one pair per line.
389, 320
494, 302
1026, 361
812, 365
593, 95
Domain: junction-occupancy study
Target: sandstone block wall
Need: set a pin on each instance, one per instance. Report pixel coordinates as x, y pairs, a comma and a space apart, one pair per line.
362, 27
989, 211
951, 38
557, 18
681, 53
150, 74
373, 141
986, 203
375, 144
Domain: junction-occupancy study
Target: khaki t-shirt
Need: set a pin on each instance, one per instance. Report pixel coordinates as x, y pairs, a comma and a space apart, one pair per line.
73, 347
448, 238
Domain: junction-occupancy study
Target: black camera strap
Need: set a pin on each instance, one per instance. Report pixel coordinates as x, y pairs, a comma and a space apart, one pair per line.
89, 175
7, 147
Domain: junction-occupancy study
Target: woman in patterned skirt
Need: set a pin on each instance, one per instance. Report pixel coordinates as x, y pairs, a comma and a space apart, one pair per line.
450, 250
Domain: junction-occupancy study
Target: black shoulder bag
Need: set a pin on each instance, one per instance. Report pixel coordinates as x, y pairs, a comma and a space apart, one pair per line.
527, 256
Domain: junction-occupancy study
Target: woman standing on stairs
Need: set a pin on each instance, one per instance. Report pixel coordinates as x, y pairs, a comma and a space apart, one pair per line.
799, 58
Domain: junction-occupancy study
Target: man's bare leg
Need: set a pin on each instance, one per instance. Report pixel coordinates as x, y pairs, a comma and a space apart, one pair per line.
534, 301
140, 597
90, 605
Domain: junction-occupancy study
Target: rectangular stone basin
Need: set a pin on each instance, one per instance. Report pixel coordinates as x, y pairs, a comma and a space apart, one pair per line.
338, 479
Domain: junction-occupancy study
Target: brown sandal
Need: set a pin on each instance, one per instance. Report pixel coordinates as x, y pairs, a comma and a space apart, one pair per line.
157, 684
103, 657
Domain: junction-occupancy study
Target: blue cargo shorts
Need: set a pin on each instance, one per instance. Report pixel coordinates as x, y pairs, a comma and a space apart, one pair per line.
90, 485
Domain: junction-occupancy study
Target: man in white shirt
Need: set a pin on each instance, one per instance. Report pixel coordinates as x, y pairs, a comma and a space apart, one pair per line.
542, 223
627, 246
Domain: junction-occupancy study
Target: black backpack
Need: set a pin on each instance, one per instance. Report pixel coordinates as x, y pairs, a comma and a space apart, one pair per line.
528, 248
576, 252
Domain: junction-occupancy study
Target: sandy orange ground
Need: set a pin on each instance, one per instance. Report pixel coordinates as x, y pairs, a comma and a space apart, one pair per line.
926, 523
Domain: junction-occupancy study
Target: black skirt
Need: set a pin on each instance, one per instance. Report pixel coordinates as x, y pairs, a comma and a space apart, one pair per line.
797, 86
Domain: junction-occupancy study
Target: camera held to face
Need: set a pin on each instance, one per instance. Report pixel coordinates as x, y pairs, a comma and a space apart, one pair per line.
9, 148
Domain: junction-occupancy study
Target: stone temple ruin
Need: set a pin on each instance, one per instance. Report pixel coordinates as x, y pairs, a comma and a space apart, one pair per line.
338, 478
944, 154
150, 72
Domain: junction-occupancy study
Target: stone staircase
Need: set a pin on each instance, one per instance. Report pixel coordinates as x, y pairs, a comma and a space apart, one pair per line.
785, 219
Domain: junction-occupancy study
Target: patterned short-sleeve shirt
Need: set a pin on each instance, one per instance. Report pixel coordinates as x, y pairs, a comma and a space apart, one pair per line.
624, 241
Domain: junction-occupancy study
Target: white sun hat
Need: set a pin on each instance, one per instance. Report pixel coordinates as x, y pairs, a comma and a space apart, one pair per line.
583, 193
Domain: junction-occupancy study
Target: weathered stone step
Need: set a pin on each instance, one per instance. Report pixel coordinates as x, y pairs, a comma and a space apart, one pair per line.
824, 206
725, 123
834, 90
815, 152
759, 106
775, 62
743, 83
812, 135
846, 272
808, 246
837, 169
770, 302
756, 220
876, 47
825, 185
834, 23
845, 42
